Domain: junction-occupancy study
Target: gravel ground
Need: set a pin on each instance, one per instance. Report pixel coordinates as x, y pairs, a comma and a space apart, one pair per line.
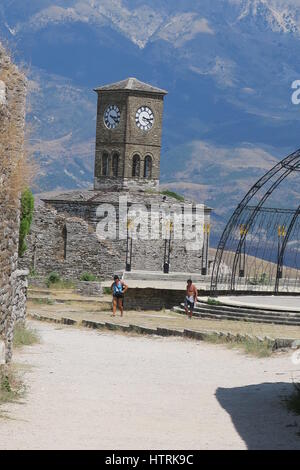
92, 390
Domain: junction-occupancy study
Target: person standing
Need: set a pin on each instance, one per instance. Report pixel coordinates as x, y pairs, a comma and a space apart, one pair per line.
190, 298
118, 289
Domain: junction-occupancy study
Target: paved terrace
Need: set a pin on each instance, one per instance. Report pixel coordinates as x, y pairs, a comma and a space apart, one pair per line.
57, 304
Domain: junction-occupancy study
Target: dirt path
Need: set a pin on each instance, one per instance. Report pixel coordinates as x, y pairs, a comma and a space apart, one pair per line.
91, 390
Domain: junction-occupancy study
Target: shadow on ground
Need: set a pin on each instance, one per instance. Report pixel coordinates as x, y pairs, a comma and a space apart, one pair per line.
260, 416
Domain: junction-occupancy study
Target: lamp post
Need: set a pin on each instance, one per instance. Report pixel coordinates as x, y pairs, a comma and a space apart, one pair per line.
242, 260
129, 245
206, 230
167, 251
281, 234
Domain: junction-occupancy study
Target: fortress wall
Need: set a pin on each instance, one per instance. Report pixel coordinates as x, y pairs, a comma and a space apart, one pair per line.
12, 120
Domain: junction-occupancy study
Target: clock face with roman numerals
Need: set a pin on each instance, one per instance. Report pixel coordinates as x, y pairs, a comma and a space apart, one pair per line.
112, 116
144, 118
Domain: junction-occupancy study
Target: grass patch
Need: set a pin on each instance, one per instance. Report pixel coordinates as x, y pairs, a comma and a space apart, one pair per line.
173, 195
211, 301
252, 347
11, 387
64, 284
88, 277
24, 336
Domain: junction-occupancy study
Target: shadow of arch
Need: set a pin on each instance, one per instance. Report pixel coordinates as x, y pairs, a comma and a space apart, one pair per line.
260, 417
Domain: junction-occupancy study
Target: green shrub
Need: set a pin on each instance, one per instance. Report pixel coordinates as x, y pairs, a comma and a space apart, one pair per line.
173, 195
106, 290
53, 278
27, 207
88, 277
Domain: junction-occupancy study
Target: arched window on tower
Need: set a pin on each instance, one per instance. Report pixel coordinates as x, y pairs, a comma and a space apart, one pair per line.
136, 166
148, 167
105, 164
115, 164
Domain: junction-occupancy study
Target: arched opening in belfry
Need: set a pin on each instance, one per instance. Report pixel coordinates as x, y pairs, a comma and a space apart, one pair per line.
148, 167
105, 164
65, 240
136, 166
115, 164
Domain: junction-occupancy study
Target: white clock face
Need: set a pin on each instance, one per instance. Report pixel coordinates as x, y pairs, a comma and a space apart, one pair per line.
112, 116
144, 118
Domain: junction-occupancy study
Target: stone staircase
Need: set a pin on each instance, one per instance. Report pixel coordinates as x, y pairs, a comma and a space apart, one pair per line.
250, 314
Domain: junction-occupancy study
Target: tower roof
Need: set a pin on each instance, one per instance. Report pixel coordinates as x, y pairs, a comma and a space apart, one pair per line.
132, 84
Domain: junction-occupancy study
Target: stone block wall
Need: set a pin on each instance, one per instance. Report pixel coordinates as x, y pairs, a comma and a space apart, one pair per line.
12, 119
68, 245
63, 239
89, 288
152, 299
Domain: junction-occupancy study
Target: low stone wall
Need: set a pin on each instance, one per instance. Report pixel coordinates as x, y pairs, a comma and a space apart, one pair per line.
152, 299
89, 288
39, 282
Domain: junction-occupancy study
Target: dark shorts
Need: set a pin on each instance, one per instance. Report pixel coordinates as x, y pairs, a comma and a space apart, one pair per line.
190, 305
118, 296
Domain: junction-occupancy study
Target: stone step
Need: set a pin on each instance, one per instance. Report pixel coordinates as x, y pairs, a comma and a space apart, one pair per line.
103, 304
202, 313
237, 313
248, 311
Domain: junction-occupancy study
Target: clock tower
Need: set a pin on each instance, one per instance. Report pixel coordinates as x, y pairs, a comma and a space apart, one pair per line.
128, 135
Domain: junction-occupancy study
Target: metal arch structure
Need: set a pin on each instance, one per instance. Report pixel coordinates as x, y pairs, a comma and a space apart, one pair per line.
246, 216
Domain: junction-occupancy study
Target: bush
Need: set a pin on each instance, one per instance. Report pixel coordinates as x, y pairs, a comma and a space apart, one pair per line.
27, 207
88, 277
53, 278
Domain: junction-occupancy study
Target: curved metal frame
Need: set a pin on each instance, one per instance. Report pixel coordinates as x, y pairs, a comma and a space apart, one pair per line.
288, 164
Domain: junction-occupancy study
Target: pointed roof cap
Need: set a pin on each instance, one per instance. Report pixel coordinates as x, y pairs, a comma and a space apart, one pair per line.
132, 84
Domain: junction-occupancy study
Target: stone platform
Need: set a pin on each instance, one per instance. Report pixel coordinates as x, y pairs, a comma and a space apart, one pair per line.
268, 302
159, 280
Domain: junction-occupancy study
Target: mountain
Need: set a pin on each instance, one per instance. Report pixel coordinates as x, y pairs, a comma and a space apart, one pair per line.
228, 66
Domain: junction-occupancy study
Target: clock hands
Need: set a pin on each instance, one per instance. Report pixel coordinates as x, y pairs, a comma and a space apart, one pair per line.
115, 118
147, 119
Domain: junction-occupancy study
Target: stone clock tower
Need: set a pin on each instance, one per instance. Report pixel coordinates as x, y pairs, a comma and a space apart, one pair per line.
128, 135
75, 232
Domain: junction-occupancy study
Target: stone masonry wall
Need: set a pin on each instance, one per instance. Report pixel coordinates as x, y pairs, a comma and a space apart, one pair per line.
64, 239
12, 118
152, 299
